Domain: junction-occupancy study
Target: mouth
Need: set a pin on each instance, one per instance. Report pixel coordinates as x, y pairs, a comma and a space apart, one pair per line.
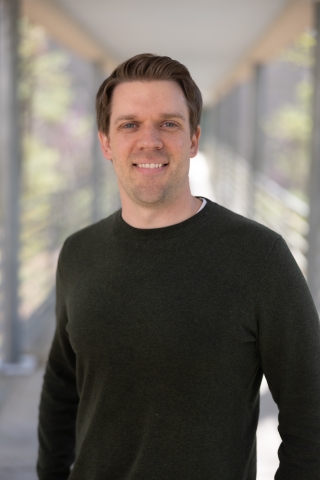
150, 165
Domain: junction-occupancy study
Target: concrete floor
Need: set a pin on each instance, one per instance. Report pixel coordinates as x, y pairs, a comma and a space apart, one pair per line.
268, 438
18, 435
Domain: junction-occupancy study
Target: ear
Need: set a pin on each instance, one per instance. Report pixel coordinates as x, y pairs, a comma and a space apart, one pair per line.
195, 142
105, 145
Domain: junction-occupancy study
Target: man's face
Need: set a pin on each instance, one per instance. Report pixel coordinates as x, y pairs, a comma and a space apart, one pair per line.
149, 142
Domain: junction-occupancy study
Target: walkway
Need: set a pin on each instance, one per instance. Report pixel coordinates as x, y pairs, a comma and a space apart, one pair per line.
19, 399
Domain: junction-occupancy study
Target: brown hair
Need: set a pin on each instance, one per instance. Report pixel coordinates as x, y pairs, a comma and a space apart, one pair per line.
148, 67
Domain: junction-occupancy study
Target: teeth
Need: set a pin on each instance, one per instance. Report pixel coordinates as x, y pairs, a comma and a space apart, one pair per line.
150, 165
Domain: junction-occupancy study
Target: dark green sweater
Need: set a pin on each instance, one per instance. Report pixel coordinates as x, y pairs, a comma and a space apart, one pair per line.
161, 342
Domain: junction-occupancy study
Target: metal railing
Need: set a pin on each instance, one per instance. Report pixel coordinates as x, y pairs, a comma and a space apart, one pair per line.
46, 221
261, 199
286, 214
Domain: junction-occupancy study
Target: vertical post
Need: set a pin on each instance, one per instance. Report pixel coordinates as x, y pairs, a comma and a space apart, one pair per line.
10, 175
205, 128
313, 255
233, 119
96, 170
217, 149
231, 135
216, 139
235, 143
229, 160
257, 140
222, 150
217, 133
245, 112
210, 130
244, 144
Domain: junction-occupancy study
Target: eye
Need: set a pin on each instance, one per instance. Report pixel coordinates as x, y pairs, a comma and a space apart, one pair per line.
169, 124
129, 125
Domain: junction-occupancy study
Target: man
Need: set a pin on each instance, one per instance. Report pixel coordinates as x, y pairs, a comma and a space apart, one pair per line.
168, 313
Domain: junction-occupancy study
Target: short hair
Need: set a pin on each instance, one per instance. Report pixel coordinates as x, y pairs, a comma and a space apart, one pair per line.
148, 67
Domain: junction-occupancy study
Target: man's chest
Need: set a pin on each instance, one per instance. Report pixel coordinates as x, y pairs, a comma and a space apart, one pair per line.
163, 316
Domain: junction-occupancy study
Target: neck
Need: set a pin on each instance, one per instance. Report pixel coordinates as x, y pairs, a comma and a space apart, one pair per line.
152, 216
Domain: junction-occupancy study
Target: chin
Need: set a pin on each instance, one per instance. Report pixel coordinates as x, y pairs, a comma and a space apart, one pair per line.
149, 200
152, 197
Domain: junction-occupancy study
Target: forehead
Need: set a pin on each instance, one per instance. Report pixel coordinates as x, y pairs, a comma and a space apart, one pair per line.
154, 95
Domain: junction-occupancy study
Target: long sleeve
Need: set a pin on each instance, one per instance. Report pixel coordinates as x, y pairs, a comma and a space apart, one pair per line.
59, 400
289, 343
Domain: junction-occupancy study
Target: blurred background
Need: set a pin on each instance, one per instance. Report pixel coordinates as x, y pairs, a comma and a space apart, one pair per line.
257, 63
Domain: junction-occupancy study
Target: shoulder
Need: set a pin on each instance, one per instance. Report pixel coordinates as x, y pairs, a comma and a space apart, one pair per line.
239, 231
81, 243
239, 245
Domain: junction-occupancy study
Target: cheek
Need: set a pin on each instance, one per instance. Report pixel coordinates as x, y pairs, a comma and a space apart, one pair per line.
123, 148
178, 145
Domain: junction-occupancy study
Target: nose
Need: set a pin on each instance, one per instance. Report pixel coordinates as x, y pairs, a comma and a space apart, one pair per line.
149, 139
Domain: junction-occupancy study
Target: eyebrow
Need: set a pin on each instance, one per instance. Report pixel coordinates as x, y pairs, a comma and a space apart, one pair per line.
125, 117
163, 116
174, 115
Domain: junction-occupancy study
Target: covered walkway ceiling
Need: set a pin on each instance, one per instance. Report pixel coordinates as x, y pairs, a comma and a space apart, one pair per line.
219, 40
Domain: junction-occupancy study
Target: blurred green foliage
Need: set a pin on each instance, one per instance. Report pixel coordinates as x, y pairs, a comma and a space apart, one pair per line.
293, 121
56, 132
301, 52
45, 97
291, 124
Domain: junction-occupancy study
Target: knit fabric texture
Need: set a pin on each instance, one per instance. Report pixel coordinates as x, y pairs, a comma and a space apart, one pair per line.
162, 339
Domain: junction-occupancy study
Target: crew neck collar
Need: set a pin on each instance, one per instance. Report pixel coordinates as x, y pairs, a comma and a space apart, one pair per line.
123, 229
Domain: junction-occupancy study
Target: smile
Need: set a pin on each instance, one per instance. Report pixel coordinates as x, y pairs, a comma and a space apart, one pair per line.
150, 165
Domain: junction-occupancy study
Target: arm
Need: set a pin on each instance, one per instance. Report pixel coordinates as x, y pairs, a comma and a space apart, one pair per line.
289, 342
59, 400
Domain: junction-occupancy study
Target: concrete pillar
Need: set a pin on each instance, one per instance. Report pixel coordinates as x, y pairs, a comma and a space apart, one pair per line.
245, 121
214, 150
10, 159
313, 256
218, 121
229, 159
233, 119
206, 128
258, 138
222, 151
215, 132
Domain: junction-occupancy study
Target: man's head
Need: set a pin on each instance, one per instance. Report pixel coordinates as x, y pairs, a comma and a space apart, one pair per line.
148, 114
148, 67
